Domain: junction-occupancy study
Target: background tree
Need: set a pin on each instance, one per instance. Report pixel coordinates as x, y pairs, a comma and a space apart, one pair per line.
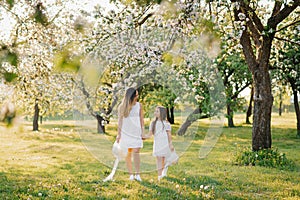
249, 109
131, 47
256, 39
30, 46
236, 77
282, 99
152, 94
286, 59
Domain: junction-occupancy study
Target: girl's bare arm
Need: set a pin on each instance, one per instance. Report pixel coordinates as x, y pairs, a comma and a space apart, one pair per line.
170, 140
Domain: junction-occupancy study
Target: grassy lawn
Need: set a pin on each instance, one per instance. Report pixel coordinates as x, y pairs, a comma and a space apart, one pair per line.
55, 164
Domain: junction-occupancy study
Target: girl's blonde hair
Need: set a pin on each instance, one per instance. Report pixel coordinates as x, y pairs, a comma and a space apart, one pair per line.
126, 105
162, 116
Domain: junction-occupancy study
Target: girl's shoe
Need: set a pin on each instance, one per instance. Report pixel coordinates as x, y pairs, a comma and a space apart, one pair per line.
159, 177
164, 172
131, 177
138, 178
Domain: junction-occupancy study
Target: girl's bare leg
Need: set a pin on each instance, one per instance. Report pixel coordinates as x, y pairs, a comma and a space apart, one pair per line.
159, 164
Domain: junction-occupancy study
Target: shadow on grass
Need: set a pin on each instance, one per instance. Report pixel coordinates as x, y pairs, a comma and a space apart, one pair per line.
12, 188
59, 126
195, 187
190, 187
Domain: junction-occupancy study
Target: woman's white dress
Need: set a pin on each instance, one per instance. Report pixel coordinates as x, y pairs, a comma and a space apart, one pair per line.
161, 141
131, 131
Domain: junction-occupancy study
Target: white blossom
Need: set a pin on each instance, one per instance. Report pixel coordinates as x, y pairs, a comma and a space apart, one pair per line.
242, 16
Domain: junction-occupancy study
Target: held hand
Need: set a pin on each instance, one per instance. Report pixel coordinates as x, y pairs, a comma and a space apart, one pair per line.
145, 136
118, 138
171, 147
143, 132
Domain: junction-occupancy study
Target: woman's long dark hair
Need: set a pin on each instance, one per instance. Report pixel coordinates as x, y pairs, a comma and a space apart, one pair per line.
162, 116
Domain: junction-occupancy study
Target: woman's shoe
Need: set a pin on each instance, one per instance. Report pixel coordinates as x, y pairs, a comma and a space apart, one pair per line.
138, 178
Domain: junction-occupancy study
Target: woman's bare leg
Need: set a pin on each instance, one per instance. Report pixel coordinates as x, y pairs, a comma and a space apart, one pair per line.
128, 161
136, 159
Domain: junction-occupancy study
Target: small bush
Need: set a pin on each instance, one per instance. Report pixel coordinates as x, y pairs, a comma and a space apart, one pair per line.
265, 157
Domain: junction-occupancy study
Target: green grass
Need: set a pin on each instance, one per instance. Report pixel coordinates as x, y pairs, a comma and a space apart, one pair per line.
55, 164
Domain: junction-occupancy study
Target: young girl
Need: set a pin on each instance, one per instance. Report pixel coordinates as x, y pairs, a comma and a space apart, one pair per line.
162, 146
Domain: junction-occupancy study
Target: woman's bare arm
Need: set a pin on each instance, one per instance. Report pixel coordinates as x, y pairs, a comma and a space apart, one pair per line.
120, 123
142, 119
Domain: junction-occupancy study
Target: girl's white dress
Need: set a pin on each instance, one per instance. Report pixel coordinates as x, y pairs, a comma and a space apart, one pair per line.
131, 131
161, 141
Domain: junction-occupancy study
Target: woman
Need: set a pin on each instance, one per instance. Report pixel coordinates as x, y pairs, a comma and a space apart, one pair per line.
130, 129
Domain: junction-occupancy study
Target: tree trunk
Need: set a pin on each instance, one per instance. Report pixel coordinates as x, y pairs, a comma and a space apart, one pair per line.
280, 108
229, 115
194, 116
100, 124
249, 111
189, 120
170, 115
297, 109
280, 103
258, 63
36, 117
263, 100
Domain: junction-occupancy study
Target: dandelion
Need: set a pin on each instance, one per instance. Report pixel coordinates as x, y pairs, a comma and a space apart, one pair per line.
199, 98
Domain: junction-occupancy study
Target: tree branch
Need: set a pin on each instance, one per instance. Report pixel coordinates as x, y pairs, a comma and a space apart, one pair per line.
255, 18
87, 95
248, 50
56, 15
236, 94
246, 9
246, 43
139, 23
279, 16
286, 40
291, 24
255, 32
276, 8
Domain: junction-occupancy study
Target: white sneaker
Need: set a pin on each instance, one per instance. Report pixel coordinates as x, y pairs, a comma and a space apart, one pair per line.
164, 172
138, 178
159, 177
131, 177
